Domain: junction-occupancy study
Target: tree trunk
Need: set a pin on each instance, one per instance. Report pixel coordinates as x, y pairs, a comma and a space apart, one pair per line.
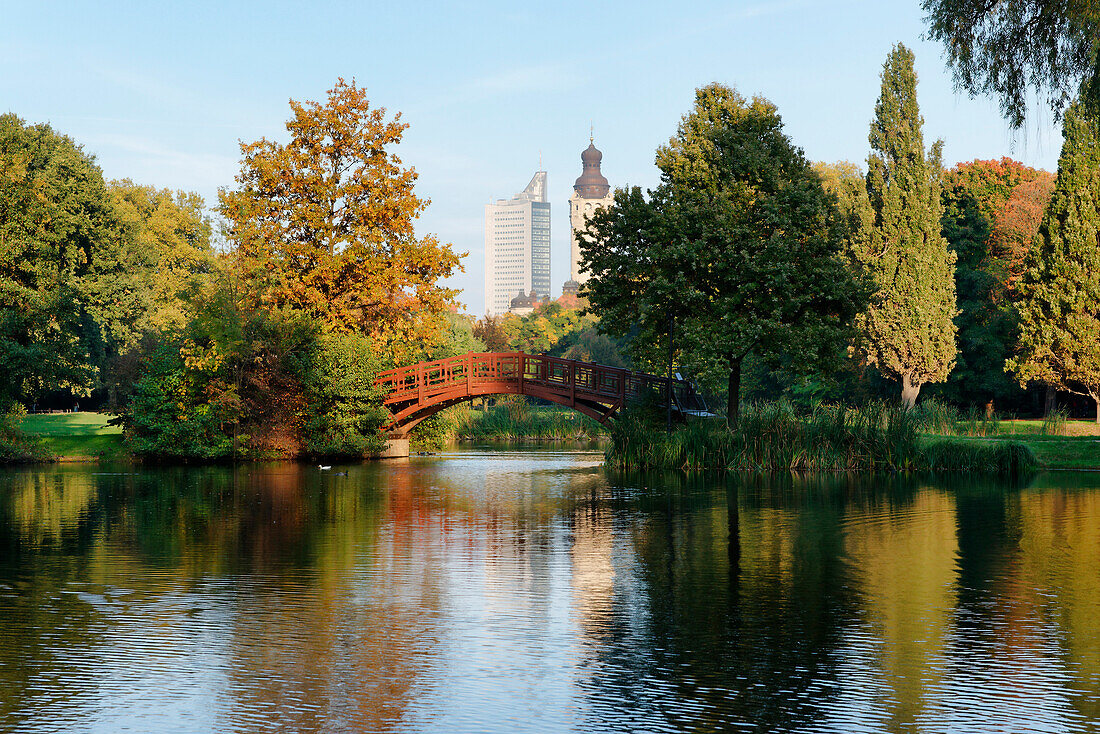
1050, 402
909, 392
733, 400
1096, 399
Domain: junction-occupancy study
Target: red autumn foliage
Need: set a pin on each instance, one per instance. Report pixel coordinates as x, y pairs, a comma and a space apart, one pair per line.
1016, 223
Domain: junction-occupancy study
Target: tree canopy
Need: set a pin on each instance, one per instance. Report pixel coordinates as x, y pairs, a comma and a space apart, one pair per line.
1012, 47
1060, 291
739, 242
990, 216
324, 223
55, 223
168, 250
325, 284
908, 330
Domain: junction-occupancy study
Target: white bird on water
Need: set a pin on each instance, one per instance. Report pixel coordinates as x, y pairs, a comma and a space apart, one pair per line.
322, 467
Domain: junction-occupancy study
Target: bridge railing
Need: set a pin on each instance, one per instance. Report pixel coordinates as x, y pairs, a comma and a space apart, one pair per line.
475, 374
426, 379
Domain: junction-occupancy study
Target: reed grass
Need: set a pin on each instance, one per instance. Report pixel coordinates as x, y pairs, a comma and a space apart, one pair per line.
518, 420
950, 454
944, 419
1056, 423
773, 437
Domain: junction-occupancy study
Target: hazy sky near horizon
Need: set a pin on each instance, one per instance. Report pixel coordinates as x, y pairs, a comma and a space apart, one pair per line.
162, 94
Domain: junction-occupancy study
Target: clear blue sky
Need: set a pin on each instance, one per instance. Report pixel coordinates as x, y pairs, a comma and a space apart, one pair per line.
162, 92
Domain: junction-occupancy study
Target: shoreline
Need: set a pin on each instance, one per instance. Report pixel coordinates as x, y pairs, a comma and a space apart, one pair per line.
85, 438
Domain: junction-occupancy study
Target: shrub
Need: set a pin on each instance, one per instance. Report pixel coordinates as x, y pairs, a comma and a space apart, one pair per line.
16, 445
169, 415
269, 387
342, 408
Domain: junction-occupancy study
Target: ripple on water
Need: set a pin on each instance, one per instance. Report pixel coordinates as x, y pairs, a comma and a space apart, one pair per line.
506, 591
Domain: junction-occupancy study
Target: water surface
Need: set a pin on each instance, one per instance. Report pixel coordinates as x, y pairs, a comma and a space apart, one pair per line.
534, 591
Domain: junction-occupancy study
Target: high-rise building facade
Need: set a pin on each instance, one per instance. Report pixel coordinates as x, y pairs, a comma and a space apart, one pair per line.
590, 191
517, 246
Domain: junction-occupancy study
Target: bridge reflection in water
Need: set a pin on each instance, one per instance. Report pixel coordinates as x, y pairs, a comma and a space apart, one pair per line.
421, 390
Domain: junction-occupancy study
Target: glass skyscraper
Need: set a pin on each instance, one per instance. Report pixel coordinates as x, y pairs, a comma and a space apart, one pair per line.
517, 246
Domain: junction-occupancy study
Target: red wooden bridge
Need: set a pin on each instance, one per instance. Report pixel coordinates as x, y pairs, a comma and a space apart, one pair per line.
422, 390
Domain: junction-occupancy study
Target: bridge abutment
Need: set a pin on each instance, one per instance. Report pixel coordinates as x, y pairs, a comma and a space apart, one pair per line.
397, 447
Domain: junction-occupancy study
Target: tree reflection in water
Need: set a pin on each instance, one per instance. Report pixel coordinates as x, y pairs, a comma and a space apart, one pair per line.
503, 592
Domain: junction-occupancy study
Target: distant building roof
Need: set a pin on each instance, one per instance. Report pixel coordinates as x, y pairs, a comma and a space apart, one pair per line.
525, 303
591, 184
570, 297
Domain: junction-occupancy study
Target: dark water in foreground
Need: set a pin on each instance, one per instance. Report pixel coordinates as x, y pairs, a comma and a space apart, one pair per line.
534, 592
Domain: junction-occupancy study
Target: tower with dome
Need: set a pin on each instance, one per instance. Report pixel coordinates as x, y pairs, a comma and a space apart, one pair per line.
590, 191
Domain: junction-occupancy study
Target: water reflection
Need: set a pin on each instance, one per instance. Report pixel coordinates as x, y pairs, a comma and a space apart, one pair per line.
497, 591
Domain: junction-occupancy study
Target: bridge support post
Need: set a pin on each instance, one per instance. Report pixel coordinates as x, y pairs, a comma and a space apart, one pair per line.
397, 447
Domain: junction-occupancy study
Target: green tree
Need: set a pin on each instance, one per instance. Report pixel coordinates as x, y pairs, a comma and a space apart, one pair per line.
908, 330
848, 184
143, 286
55, 221
166, 256
1008, 48
458, 337
588, 344
739, 242
1060, 292
989, 218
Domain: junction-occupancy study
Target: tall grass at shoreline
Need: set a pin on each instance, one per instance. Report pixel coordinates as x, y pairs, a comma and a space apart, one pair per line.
944, 419
772, 437
518, 420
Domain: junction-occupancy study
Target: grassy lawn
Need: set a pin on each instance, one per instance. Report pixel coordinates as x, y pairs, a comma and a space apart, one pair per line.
1065, 452
77, 434
1024, 427
1054, 452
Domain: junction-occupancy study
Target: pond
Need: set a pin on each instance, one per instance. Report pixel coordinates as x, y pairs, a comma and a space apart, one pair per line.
488, 590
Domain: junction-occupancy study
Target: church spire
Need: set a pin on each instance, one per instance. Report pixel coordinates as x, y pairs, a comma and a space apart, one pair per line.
591, 184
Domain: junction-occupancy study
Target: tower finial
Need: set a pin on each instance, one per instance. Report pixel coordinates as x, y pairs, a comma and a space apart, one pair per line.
591, 133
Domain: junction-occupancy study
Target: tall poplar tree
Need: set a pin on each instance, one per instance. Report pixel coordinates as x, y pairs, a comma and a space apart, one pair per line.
1060, 291
909, 328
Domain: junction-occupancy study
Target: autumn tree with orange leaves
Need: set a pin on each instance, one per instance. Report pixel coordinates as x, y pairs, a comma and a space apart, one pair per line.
326, 283
992, 211
323, 224
1016, 223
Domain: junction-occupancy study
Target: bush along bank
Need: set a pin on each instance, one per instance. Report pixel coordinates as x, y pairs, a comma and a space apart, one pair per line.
772, 437
17, 446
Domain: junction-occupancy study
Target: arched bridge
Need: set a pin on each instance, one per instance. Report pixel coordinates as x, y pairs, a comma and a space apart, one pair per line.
418, 391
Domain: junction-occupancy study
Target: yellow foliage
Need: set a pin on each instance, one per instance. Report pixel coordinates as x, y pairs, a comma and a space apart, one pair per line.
324, 224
